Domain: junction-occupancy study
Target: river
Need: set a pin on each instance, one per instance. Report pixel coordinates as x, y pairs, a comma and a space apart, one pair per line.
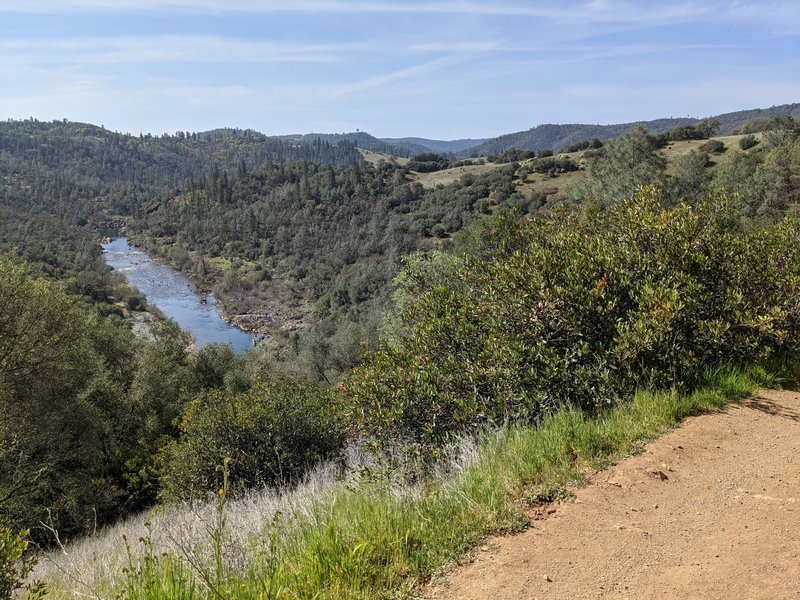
175, 295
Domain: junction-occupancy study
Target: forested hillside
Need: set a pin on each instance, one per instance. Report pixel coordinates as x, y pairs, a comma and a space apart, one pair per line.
312, 243
557, 136
57, 177
361, 139
440, 146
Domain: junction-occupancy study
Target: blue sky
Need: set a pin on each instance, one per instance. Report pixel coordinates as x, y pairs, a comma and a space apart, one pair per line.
441, 69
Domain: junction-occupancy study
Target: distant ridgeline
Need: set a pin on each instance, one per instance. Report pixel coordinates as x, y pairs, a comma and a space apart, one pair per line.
91, 151
558, 136
540, 137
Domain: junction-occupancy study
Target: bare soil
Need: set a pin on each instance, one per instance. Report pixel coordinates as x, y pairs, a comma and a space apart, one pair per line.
710, 510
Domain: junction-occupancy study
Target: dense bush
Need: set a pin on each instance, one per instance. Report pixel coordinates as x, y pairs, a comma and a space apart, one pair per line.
748, 142
515, 155
83, 407
552, 165
593, 144
713, 147
16, 565
702, 130
579, 310
428, 163
272, 433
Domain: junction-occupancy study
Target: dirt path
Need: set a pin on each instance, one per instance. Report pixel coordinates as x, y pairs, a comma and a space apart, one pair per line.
710, 510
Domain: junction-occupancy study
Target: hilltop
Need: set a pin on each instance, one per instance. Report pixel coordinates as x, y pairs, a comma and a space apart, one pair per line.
557, 136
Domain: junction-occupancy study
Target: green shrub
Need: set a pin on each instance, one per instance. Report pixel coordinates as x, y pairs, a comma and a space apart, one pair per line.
713, 147
428, 163
551, 164
579, 310
272, 433
16, 564
136, 302
212, 364
747, 142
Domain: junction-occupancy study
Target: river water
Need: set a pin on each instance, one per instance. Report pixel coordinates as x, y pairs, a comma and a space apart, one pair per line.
175, 295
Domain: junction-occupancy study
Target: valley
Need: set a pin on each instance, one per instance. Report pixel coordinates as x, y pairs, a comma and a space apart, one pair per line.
576, 302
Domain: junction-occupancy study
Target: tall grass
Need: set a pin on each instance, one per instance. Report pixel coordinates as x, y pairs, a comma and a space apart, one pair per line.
334, 539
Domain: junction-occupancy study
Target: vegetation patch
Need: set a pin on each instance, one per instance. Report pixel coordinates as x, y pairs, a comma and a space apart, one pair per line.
374, 541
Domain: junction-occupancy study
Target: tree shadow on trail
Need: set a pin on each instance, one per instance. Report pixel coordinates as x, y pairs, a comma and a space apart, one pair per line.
771, 407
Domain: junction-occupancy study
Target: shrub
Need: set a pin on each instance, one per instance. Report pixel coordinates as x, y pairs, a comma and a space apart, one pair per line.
748, 142
552, 164
713, 147
272, 433
428, 163
579, 310
212, 364
16, 564
136, 302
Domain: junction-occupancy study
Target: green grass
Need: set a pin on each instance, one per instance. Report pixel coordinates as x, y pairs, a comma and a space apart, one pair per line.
369, 542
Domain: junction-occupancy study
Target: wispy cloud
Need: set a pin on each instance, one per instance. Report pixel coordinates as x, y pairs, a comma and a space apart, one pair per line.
166, 48
603, 10
383, 80
781, 16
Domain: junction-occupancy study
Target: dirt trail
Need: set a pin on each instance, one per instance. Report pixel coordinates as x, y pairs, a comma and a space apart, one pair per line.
710, 510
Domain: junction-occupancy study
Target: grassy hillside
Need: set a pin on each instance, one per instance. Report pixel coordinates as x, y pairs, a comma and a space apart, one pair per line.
453, 174
374, 158
541, 182
557, 136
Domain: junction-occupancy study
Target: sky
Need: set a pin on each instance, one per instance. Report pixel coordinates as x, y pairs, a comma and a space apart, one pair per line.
440, 69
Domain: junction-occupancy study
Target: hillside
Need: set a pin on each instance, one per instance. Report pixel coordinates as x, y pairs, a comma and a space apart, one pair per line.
362, 140
728, 122
92, 151
438, 146
58, 177
557, 136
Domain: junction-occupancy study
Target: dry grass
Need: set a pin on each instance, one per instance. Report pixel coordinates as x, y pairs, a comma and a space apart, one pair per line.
93, 566
364, 539
89, 566
539, 182
375, 157
674, 150
448, 176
